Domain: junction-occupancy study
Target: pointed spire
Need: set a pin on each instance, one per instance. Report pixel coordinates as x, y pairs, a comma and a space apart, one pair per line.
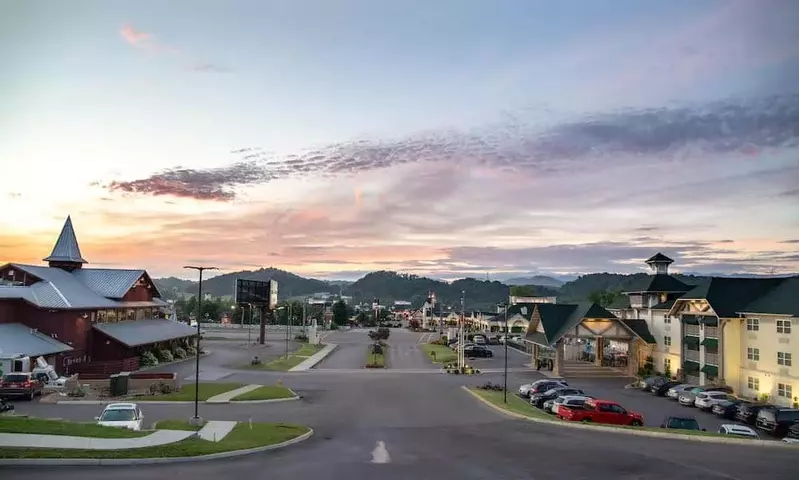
66, 249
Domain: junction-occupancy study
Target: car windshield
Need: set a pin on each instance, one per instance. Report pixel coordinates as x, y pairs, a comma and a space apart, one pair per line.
683, 423
118, 415
15, 378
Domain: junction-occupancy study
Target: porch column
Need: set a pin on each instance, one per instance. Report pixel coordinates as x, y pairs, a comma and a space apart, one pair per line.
557, 365
600, 350
632, 358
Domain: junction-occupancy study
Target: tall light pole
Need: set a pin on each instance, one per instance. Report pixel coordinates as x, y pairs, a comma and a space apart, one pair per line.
505, 390
461, 336
196, 418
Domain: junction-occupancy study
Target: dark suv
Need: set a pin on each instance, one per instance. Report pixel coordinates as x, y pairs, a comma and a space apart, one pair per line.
20, 384
747, 412
777, 421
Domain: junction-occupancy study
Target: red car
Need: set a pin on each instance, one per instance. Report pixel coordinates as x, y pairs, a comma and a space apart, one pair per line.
601, 411
20, 385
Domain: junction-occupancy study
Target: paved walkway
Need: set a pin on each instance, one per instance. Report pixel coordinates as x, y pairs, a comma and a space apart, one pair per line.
26, 440
215, 430
228, 396
317, 357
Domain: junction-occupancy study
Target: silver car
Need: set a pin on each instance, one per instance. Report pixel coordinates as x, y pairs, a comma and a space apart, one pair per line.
675, 392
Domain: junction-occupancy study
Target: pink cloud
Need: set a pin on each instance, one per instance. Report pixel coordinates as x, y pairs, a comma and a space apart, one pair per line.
135, 37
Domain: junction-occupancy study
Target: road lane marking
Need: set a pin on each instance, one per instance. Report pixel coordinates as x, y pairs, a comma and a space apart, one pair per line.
380, 453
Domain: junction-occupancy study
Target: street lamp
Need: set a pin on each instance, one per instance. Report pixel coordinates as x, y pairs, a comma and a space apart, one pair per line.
288, 319
504, 306
196, 420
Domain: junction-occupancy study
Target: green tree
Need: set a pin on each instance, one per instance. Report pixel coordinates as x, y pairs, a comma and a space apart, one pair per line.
603, 298
522, 291
341, 314
191, 306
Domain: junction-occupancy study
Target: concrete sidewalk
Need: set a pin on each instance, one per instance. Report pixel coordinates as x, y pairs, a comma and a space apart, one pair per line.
157, 438
311, 361
228, 396
215, 430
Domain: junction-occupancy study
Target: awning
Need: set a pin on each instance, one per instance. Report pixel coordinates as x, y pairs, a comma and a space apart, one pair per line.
690, 366
711, 343
691, 341
711, 370
16, 338
709, 321
690, 320
144, 332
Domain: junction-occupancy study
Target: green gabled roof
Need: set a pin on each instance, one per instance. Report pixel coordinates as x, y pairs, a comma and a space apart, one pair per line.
665, 305
660, 283
640, 328
781, 300
728, 296
558, 318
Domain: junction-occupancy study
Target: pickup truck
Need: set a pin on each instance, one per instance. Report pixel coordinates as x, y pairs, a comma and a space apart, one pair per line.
601, 411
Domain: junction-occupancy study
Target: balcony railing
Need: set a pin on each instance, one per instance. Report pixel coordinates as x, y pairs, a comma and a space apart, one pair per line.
712, 358
692, 330
692, 355
712, 332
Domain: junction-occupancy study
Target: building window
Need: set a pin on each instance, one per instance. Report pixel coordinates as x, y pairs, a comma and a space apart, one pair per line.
783, 326
667, 341
667, 320
667, 365
784, 390
753, 354
752, 324
784, 359
753, 383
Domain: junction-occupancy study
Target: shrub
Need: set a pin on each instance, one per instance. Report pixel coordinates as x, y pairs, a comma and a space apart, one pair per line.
165, 355
148, 359
160, 388
301, 337
191, 351
374, 365
491, 386
179, 353
77, 392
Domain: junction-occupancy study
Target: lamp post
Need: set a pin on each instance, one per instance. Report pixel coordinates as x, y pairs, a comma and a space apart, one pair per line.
196, 420
505, 389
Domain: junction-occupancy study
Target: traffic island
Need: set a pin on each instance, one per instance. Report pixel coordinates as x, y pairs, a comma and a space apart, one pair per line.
187, 391
286, 363
212, 441
521, 409
439, 353
376, 356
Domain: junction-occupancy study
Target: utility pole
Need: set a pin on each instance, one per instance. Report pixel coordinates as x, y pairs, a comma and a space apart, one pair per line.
505, 390
288, 321
196, 420
461, 336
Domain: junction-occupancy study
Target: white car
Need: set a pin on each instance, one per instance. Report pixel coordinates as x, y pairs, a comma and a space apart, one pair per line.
706, 400
737, 430
569, 401
122, 415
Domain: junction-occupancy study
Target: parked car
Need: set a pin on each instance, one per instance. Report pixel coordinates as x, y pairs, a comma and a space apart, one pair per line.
480, 340
545, 386
793, 434
681, 423
568, 401
538, 399
601, 411
524, 390
737, 430
728, 408
706, 400
20, 384
123, 415
747, 412
777, 421
688, 399
674, 392
660, 389
647, 383
477, 351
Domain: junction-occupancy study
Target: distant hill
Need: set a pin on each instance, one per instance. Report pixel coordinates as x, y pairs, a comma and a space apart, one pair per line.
541, 280
579, 289
289, 285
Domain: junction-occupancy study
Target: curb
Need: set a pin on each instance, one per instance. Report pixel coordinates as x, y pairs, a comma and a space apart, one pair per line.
146, 461
626, 431
182, 402
313, 360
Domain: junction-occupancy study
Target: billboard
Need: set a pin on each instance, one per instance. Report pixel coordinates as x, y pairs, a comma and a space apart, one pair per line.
256, 292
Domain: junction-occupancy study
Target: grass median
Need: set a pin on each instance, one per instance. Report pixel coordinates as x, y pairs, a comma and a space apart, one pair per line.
375, 360
439, 353
41, 426
244, 436
266, 392
295, 358
186, 393
177, 425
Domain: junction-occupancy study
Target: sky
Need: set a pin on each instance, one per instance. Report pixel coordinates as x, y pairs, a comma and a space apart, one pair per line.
453, 138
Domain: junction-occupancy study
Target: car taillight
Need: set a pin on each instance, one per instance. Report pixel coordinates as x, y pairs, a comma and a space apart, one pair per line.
27, 383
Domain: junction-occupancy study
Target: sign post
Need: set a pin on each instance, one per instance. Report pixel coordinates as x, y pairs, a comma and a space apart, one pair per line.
257, 293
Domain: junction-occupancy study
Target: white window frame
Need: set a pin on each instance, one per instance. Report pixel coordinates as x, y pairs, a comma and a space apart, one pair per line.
784, 326
753, 383
667, 340
785, 390
752, 324
784, 359
753, 354
667, 320
667, 364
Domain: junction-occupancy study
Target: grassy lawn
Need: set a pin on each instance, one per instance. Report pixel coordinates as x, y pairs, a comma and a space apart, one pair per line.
176, 425
439, 353
518, 405
186, 393
40, 426
267, 392
376, 359
295, 358
242, 437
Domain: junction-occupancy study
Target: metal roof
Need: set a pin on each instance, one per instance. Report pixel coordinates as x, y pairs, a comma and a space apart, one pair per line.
66, 248
143, 332
60, 289
16, 338
107, 282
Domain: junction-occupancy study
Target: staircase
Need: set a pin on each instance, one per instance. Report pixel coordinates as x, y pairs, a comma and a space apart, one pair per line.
576, 369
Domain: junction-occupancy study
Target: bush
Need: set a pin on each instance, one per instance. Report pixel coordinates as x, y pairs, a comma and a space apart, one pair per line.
160, 388
147, 359
179, 353
374, 365
491, 386
301, 337
165, 356
191, 351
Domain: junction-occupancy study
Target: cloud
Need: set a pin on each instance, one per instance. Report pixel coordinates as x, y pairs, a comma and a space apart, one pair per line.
135, 37
209, 68
629, 137
148, 41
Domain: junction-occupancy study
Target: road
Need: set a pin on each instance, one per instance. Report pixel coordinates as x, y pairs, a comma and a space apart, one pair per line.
430, 429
